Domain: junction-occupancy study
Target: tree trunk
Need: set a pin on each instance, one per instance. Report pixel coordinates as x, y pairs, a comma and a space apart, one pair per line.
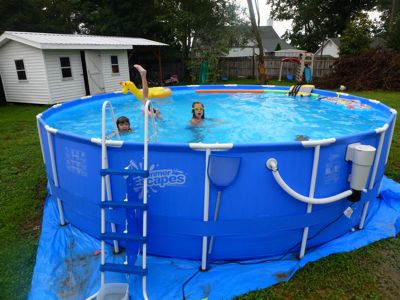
255, 28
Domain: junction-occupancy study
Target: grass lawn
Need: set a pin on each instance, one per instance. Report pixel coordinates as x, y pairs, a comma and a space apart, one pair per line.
369, 273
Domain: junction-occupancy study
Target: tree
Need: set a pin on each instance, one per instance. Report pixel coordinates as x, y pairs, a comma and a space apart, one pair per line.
278, 47
122, 18
202, 29
255, 28
211, 25
393, 37
390, 14
356, 38
39, 15
313, 20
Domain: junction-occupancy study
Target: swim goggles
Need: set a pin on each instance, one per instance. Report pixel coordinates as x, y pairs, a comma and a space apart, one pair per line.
198, 108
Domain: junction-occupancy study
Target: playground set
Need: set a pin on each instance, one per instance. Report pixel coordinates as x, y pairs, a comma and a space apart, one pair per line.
304, 69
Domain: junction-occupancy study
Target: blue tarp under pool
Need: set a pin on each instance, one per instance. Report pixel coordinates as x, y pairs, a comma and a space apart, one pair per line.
67, 262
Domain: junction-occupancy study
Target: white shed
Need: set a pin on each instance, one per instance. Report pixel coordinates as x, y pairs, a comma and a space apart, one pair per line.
47, 68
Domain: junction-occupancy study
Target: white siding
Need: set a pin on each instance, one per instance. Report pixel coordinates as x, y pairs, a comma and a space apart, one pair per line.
35, 88
64, 89
330, 48
111, 81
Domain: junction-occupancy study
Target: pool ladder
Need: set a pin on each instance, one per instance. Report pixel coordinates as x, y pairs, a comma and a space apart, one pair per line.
132, 235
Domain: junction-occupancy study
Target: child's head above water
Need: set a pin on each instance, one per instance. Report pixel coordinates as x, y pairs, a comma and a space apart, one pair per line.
123, 124
198, 110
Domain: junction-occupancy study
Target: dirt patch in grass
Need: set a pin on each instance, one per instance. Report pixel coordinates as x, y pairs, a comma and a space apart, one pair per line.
33, 223
282, 275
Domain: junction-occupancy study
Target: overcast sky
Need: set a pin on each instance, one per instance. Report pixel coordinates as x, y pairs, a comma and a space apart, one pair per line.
281, 26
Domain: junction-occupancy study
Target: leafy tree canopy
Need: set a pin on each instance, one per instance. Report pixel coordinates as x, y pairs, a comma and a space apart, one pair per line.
314, 20
393, 38
357, 37
202, 29
200, 22
38, 15
210, 26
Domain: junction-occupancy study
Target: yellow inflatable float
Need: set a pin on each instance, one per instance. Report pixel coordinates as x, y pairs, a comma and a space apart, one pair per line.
155, 92
301, 90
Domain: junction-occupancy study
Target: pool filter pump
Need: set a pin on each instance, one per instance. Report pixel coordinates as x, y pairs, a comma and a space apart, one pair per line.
362, 157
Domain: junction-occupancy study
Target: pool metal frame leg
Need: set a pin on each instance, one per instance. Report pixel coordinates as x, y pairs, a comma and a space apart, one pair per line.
311, 195
50, 132
206, 206
382, 131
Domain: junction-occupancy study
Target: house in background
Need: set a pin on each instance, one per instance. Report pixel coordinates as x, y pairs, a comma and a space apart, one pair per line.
47, 68
289, 53
330, 47
270, 40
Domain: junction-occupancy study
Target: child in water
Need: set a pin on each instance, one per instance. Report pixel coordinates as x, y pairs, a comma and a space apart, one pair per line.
123, 125
145, 90
197, 113
301, 137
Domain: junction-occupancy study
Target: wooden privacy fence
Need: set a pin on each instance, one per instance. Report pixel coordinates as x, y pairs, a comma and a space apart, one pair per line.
246, 67
234, 68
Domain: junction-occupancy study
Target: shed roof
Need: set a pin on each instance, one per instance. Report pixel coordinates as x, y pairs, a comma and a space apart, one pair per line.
74, 41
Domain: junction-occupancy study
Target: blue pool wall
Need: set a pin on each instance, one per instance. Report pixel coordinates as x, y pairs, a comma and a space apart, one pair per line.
256, 217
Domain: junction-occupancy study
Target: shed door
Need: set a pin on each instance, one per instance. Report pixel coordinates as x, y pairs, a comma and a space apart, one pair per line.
94, 68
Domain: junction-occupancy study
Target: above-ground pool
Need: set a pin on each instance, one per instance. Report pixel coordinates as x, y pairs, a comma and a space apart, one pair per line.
310, 191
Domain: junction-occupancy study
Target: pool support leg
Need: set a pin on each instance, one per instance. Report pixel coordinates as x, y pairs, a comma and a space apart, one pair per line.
206, 208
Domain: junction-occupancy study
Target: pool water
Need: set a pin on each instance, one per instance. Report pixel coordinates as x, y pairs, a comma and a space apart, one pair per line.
230, 118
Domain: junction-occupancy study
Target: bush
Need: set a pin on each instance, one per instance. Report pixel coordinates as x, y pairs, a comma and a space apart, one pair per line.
374, 69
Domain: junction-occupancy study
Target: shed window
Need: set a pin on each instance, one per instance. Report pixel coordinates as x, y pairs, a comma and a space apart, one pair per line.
65, 67
19, 65
114, 64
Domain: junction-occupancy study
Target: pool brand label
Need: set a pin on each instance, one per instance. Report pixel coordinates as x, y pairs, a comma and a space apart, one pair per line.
75, 161
158, 178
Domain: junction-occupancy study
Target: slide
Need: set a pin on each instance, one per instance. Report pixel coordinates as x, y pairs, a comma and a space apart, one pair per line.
203, 74
307, 74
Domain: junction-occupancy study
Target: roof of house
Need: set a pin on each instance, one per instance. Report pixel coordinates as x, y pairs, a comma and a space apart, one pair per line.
376, 43
289, 52
270, 40
336, 41
74, 41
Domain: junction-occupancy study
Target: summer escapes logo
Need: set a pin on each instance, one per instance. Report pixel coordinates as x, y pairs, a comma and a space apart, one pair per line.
158, 178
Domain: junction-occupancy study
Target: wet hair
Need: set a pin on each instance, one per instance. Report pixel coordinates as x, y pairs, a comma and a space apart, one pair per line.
122, 119
193, 104
150, 107
301, 137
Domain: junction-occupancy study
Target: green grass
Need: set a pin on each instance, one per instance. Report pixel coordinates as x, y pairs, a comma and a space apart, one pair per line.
369, 273
22, 192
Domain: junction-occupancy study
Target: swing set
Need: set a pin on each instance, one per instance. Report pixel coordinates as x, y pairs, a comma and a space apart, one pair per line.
304, 61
